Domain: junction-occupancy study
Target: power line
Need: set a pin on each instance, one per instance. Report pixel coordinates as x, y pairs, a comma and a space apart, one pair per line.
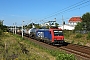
78, 8
75, 6
69, 8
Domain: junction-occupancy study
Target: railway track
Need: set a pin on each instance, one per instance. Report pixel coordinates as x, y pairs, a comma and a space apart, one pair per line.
81, 52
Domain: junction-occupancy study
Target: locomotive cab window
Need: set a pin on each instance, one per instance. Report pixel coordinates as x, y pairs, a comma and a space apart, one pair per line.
58, 33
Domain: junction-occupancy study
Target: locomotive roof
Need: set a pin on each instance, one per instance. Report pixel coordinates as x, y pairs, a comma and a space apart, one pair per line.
46, 29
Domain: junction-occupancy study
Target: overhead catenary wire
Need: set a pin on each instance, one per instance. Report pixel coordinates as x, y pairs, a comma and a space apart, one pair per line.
78, 8
74, 6
68, 7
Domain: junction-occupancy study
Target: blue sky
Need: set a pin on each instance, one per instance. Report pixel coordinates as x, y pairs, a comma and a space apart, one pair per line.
12, 11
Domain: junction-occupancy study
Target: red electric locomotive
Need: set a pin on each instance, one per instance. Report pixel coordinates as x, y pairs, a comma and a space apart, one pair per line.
52, 36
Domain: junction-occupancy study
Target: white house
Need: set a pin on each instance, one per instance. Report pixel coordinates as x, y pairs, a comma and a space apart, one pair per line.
74, 20
72, 23
66, 27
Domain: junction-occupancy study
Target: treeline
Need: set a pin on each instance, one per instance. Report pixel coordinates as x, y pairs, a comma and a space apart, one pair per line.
84, 26
3, 28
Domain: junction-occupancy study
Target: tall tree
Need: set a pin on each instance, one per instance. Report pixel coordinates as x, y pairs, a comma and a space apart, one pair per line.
86, 20
85, 24
86, 17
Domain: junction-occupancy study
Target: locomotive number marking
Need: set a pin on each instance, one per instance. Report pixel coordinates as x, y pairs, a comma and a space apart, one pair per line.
40, 34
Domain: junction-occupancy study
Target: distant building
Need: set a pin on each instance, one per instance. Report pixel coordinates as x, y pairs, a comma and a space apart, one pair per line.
72, 23
49, 23
74, 20
70, 26
67, 27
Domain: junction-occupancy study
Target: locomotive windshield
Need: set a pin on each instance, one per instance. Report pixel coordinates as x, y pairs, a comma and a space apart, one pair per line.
58, 33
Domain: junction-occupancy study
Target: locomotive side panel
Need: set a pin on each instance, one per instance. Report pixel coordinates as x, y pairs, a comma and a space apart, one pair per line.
44, 35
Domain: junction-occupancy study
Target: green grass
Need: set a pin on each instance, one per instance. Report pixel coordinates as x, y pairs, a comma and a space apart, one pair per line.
77, 38
15, 47
56, 53
78, 35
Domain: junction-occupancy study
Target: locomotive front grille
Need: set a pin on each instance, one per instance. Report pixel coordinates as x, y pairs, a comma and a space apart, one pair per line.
58, 41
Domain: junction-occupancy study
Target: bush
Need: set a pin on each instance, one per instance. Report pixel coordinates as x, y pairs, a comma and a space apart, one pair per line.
78, 36
65, 57
88, 37
72, 41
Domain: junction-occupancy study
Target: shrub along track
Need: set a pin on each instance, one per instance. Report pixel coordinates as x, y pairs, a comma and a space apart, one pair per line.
81, 52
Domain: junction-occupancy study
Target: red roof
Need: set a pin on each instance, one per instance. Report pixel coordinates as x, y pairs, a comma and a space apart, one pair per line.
75, 19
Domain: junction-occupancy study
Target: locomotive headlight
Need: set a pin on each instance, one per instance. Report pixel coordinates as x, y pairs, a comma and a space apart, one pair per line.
62, 39
55, 39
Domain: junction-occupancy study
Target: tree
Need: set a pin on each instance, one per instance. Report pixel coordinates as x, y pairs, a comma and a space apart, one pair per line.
56, 24
37, 26
86, 20
30, 25
78, 26
86, 17
85, 24
3, 28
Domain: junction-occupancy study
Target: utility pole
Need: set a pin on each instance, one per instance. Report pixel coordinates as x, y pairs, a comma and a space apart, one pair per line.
22, 29
62, 22
15, 27
55, 21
